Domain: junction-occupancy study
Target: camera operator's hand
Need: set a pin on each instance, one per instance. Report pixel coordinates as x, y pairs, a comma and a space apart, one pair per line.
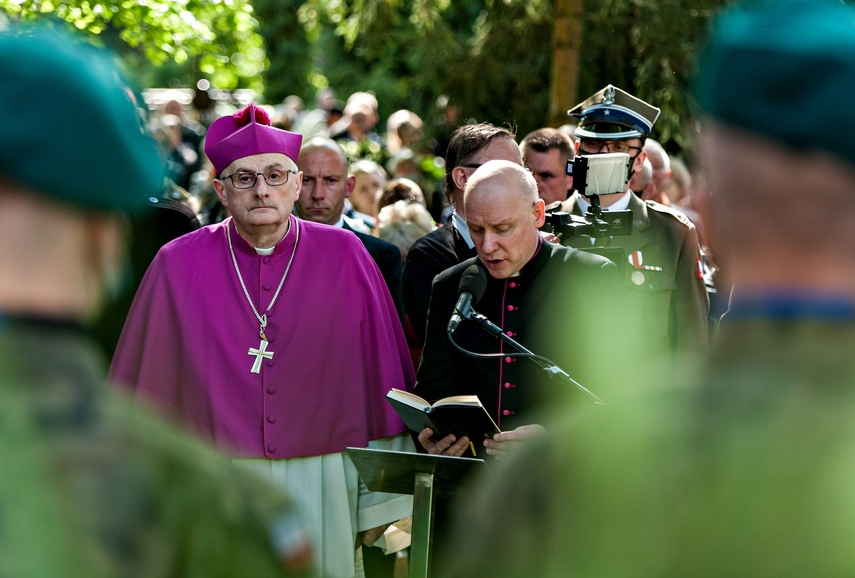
447, 446
505, 444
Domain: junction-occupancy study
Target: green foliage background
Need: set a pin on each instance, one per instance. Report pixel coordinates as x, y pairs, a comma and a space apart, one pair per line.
187, 38
490, 57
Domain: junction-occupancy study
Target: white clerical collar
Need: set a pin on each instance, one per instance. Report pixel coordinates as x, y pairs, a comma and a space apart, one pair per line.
340, 222
265, 251
621, 205
462, 228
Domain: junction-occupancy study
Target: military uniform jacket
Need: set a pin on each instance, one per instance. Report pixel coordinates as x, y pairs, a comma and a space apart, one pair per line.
660, 268
92, 486
557, 283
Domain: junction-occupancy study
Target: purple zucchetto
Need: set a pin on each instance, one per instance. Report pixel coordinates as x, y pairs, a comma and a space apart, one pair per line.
248, 132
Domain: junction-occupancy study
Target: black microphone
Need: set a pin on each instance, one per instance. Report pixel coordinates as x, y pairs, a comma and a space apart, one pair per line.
472, 285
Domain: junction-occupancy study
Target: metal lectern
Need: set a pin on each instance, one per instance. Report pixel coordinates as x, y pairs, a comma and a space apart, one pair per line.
424, 476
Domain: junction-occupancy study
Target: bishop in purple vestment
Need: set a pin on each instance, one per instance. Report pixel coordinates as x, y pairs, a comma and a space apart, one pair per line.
271, 336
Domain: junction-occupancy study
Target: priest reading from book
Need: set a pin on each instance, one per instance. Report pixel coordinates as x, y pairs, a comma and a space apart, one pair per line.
529, 284
276, 339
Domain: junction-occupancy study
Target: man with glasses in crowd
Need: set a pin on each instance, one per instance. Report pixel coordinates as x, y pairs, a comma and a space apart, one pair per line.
660, 259
471, 146
276, 339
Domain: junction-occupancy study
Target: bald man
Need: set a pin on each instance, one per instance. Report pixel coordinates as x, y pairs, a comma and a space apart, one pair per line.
525, 276
326, 184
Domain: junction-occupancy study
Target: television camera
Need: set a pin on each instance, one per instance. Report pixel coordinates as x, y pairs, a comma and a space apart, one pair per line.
595, 175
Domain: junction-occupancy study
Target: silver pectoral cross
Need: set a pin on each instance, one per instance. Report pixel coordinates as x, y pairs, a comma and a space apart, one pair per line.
259, 354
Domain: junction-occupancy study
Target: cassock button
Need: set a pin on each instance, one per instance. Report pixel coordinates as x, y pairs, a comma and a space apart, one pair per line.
266, 286
508, 359
266, 260
510, 333
510, 307
270, 363
271, 339
509, 385
513, 284
507, 412
271, 390
271, 419
271, 449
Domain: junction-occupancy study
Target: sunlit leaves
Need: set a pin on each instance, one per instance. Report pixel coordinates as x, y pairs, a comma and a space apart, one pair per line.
211, 31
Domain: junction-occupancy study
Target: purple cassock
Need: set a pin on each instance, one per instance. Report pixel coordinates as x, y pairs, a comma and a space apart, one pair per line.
335, 336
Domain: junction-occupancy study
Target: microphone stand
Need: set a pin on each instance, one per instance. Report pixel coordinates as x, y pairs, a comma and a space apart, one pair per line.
551, 368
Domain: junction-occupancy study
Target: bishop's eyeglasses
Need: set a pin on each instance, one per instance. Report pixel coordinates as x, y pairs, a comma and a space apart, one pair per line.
247, 179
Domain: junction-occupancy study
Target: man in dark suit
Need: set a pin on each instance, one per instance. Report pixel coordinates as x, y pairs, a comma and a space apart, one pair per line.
470, 147
326, 184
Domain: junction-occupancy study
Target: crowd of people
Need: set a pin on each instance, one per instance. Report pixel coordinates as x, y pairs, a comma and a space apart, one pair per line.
259, 282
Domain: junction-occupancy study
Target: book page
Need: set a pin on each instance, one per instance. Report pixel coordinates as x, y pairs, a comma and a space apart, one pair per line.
467, 400
408, 398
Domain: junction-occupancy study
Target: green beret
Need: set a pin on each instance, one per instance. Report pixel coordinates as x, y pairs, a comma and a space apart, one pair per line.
784, 69
70, 129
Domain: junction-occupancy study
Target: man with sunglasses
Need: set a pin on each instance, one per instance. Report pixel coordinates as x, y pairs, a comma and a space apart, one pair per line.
471, 146
276, 339
660, 259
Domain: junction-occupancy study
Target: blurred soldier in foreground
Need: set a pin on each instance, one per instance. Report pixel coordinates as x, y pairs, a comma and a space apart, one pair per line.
747, 469
90, 485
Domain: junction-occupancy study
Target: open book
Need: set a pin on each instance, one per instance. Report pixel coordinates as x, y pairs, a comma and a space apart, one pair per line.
461, 415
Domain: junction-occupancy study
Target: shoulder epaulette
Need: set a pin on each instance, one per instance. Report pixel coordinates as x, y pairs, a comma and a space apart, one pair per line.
676, 213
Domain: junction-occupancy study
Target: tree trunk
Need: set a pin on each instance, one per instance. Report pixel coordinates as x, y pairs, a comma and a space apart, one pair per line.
566, 44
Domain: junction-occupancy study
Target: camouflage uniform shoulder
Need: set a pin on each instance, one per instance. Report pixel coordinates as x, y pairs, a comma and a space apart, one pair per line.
677, 214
